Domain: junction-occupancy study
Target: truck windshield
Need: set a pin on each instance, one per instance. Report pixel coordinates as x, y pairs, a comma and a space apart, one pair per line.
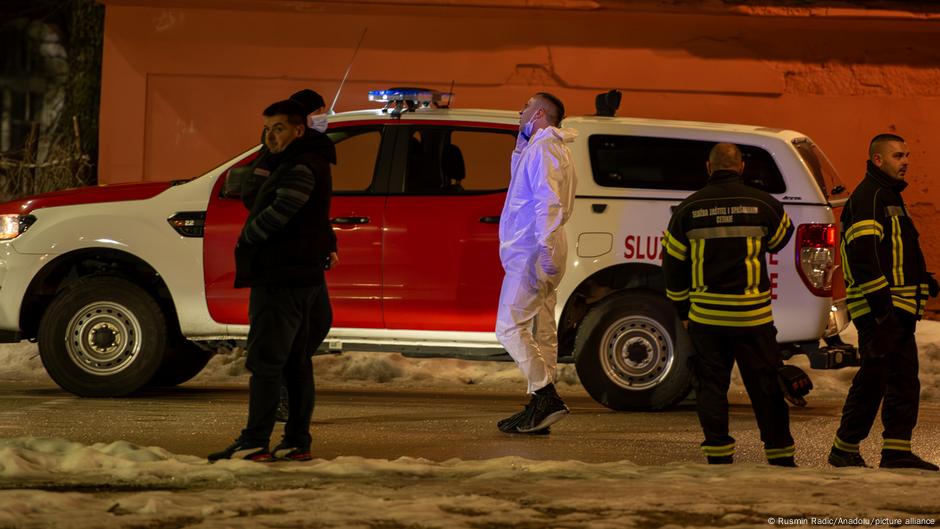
825, 174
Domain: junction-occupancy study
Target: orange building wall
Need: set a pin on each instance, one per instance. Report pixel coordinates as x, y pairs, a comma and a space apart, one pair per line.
184, 82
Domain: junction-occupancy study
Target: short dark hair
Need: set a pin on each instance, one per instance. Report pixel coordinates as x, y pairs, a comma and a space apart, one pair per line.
559, 107
878, 140
725, 156
292, 109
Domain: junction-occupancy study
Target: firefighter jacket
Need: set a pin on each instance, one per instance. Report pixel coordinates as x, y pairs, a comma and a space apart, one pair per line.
715, 247
881, 257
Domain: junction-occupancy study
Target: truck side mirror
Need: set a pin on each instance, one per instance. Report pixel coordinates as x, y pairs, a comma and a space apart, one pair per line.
232, 187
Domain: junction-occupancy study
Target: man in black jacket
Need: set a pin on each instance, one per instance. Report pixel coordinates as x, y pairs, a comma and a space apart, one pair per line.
716, 275
281, 254
887, 286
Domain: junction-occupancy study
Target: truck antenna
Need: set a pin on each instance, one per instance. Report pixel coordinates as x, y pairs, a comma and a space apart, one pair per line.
348, 69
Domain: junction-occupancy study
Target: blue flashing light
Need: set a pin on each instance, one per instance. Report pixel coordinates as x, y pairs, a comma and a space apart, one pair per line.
409, 99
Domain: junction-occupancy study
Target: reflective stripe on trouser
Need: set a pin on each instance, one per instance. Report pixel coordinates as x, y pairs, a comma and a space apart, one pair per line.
718, 451
525, 326
845, 446
892, 378
902, 445
758, 358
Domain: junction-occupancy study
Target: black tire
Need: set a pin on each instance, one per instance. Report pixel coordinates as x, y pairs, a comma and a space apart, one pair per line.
631, 352
117, 362
183, 361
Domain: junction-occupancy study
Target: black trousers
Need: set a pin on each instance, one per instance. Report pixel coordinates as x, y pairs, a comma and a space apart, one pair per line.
758, 359
892, 378
287, 326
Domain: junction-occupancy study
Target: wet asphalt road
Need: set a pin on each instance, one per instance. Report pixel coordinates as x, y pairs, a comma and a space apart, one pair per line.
437, 424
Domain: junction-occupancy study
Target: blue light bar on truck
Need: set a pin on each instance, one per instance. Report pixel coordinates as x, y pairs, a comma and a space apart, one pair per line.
409, 99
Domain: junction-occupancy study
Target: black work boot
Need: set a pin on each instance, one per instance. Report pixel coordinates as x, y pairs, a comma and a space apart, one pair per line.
720, 460
904, 459
841, 458
787, 461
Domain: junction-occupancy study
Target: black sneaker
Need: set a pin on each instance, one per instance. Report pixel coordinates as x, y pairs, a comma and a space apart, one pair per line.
719, 460
841, 458
509, 424
242, 450
287, 452
904, 459
782, 461
542, 412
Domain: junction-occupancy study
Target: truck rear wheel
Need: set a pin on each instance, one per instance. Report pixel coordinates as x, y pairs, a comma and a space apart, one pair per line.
632, 353
102, 336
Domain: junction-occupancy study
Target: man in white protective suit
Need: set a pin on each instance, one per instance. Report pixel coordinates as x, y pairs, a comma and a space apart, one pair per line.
533, 250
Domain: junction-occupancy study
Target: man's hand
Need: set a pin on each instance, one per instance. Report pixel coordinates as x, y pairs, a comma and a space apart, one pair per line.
685, 324
334, 260
933, 287
885, 337
521, 142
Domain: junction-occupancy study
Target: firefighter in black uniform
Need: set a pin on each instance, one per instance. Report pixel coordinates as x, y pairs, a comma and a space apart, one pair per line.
887, 286
716, 275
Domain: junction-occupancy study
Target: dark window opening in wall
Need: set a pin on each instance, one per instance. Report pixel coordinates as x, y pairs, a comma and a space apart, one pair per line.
21, 86
669, 163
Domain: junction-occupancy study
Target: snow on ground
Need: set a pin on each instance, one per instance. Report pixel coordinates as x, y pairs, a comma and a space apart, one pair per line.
58, 483
49, 482
21, 361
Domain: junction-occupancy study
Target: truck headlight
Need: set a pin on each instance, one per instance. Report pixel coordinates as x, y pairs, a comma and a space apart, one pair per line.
13, 225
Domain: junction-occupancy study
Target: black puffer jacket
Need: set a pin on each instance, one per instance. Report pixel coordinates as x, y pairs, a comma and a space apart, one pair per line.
291, 253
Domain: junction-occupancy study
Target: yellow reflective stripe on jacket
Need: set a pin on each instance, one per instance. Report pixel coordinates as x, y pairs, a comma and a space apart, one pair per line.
711, 298
752, 265
846, 271
897, 251
781, 231
698, 262
731, 318
872, 286
674, 247
907, 290
858, 308
862, 228
909, 305
680, 295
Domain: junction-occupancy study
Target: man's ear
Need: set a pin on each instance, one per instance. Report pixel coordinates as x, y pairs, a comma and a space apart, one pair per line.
708, 168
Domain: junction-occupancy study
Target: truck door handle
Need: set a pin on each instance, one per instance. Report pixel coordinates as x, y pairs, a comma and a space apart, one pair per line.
492, 219
349, 220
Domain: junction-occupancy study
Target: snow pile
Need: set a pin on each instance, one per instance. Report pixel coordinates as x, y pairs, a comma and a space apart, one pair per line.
21, 362
140, 487
383, 368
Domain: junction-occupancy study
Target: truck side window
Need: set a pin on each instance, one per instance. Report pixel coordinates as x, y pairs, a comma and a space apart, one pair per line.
441, 160
357, 150
670, 163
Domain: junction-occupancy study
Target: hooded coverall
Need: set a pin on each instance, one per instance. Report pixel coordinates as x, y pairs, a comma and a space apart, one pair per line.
533, 250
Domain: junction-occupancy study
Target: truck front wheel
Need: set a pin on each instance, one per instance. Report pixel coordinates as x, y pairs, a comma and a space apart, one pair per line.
102, 336
632, 353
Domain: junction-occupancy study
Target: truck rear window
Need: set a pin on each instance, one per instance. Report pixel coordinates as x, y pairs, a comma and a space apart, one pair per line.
825, 174
669, 163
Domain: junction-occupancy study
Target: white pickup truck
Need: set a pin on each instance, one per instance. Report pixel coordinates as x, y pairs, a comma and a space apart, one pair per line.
129, 285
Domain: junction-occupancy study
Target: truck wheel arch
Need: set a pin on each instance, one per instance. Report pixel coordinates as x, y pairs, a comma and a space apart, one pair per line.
85, 262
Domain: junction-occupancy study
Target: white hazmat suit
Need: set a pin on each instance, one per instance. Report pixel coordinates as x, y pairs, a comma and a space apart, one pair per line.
533, 250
